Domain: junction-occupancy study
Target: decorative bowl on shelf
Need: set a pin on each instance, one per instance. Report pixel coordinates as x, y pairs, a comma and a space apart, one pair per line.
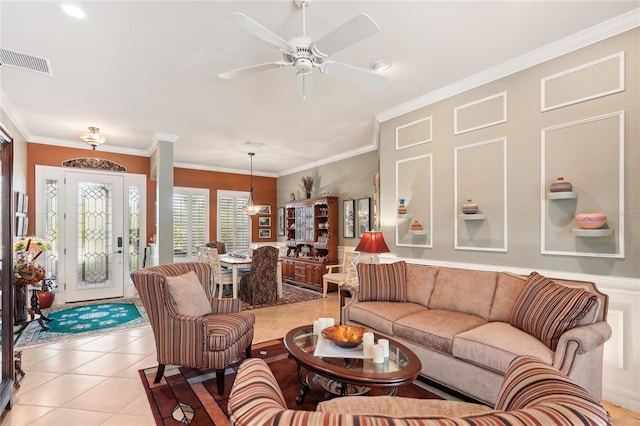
590, 220
345, 336
561, 185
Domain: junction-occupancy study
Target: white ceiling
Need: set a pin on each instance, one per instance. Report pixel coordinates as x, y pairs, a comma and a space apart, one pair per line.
137, 69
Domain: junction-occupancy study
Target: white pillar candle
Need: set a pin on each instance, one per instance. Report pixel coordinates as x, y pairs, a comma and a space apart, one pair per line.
330, 322
378, 354
316, 327
367, 344
385, 345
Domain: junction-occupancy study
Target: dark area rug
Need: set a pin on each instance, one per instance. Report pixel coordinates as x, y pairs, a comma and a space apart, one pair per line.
290, 294
190, 396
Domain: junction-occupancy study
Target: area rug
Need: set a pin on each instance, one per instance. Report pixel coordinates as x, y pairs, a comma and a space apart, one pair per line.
290, 294
190, 396
85, 319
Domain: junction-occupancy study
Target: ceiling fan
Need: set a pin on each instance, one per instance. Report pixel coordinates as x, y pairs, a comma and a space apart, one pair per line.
304, 54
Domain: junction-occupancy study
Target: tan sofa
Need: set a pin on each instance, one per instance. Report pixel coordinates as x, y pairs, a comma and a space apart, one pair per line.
532, 393
459, 323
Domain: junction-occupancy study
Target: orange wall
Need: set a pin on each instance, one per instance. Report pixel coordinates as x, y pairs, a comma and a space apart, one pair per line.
264, 188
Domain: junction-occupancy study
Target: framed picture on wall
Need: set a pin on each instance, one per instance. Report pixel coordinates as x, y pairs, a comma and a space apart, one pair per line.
264, 233
281, 224
364, 216
265, 209
264, 221
349, 218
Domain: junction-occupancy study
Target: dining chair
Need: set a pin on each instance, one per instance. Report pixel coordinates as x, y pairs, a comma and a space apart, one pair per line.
190, 327
348, 271
260, 285
218, 245
220, 276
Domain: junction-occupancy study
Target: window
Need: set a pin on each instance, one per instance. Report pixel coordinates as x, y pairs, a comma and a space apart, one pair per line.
190, 222
234, 227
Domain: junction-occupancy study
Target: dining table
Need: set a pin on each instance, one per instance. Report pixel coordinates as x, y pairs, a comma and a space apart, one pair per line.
239, 262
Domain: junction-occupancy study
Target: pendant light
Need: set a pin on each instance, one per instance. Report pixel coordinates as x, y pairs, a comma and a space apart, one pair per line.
251, 208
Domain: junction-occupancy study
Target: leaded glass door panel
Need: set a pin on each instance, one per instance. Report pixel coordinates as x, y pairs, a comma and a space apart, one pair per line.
94, 230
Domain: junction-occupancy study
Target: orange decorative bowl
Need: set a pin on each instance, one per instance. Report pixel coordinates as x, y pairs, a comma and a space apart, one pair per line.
591, 220
345, 336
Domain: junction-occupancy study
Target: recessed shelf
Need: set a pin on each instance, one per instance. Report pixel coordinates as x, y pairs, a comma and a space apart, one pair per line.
567, 195
603, 232
476, 216
404, 216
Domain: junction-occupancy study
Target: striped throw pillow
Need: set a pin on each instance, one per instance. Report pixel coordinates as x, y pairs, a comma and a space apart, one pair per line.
383, 283
545, 309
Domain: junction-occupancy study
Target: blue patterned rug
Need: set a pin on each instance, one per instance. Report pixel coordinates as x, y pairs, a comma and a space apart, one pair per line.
82, 320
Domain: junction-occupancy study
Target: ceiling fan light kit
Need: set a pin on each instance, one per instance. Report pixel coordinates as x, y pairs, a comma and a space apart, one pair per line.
304, 54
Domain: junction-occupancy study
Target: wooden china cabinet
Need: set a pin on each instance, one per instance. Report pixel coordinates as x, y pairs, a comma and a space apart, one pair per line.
312, 241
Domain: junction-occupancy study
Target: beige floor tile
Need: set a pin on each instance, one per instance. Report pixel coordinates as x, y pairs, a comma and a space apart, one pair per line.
32, 379
65, 361
139, 407
69, 417
56, 392
143, 345
132, 371
110, 396
33, 356
130, 420
21, 415
109, 364
73, 343
107, 343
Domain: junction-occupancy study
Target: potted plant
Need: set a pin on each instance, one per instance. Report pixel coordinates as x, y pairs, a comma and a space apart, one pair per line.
307, 185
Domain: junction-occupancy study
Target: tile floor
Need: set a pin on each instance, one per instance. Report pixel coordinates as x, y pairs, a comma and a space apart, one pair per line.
95, 381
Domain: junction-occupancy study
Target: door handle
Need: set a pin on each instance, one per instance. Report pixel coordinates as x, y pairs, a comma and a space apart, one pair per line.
119, 251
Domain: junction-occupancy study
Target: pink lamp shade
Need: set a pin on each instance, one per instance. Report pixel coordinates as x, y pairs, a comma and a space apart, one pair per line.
372, 242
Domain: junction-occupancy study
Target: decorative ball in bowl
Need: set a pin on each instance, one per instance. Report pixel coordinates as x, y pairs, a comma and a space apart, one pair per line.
591, 220
345, 336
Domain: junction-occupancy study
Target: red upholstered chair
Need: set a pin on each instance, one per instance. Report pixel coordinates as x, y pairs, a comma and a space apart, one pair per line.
211, 338
260, 285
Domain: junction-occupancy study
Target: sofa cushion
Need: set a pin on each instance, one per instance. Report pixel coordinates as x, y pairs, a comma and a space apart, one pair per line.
382, 282
381, 315
495, 344
546, 310
464, 290
508, 288
434, 328
420, 282
188, 295
399, 407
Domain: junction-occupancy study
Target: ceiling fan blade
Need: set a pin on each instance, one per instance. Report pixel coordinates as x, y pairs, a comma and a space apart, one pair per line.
355, 74
249, 70
304, 86
357, 28
261, 31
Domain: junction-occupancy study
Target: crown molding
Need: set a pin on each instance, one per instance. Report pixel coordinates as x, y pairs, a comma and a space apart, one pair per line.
81, 145
602, 31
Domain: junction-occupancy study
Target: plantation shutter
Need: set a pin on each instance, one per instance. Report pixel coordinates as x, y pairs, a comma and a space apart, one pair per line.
234, 226
190, 222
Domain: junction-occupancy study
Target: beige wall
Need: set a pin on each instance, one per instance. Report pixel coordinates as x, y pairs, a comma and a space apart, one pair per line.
348, 179
592, 155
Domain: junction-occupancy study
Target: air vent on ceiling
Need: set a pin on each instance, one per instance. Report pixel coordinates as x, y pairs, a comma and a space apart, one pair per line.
24, 61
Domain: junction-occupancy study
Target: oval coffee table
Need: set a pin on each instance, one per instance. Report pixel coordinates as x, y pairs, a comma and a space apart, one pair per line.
337, 376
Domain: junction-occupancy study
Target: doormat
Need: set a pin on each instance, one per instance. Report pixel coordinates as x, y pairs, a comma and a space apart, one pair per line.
74, 321
190, 396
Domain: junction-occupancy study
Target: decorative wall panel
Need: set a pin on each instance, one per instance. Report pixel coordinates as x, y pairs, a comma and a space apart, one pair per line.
590, 154
480, 175
414, 184
414, 133
482, 113
592, 80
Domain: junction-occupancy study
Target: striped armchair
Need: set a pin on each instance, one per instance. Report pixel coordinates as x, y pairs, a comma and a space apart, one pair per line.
205, 341
532, 393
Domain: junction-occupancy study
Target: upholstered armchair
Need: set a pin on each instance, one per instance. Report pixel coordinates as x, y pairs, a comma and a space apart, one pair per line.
260, 285
190, 327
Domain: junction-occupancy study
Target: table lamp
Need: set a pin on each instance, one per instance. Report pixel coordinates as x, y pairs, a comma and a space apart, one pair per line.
372, 242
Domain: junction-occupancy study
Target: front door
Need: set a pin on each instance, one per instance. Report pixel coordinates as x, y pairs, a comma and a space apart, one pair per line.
94, 252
